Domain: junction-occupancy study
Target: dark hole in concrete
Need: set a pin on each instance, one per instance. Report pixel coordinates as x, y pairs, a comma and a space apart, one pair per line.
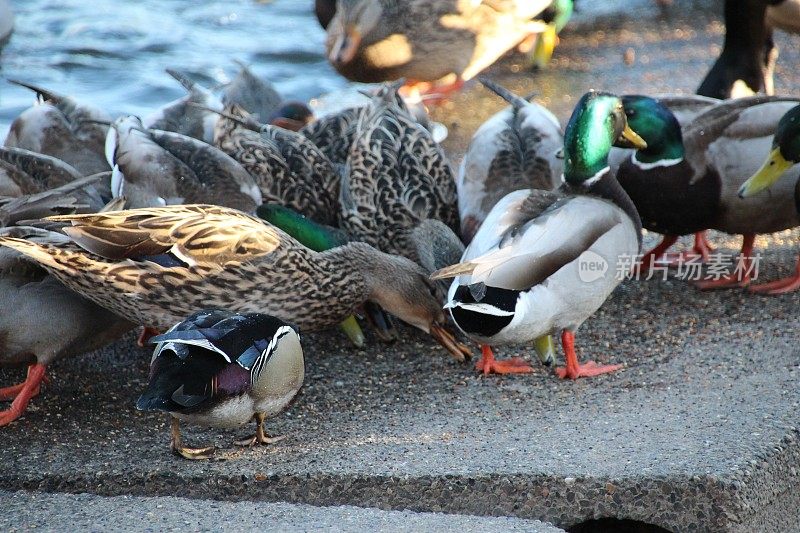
616, 525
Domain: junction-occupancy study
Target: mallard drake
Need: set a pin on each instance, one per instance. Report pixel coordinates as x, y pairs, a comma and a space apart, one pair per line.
426, 40
153, 168
288, 168
685, 108
687, 181
260, 99
556, 17
544, 261
781, 164
747, 62
61, 127
223, 369
154, 266
399, 194
42, 320
516, 148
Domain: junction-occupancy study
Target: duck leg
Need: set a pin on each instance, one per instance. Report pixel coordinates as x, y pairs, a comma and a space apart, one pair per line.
178, 448
781, 286
487, 364
702, 248
9, 393
27, 390
431, 93
741, 275
649, 258
261, 436
574, 370
145, 335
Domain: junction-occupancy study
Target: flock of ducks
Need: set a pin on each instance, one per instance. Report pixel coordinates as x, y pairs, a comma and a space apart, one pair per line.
231, 235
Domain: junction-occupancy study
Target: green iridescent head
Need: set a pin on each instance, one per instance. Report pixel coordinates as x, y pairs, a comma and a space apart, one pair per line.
784, 155
597, 122
657, 126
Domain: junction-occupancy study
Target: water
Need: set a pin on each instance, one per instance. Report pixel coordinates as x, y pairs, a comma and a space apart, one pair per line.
112, 53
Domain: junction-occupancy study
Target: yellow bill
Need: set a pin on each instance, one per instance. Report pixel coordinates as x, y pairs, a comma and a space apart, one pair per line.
545, 349
353, 331
632, 137
772, 169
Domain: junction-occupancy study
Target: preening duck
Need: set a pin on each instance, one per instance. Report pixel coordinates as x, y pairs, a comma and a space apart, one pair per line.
155, 266
516, 148
223, 369
152, 168
62, 127
535, 266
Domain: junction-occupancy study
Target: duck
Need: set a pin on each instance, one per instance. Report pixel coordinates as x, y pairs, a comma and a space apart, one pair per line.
153, 168
188, 115
685, 108
686, 180
154, 266
288, 168
62, 127
747, 62
334, 128
42, 320
319, 238
399, 192
425, 41
517, 148
223, 369
261, 100
781, 164
25, 172
535, 266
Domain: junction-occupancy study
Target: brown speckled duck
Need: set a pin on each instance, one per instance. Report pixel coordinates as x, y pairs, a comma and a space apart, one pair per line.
426, 40
288, 168
399, 193
155, 266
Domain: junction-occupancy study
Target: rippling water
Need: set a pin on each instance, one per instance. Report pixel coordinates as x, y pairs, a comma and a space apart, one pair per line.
113, 52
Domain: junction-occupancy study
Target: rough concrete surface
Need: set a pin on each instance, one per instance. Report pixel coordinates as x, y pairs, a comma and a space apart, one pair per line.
86, 512
697, 433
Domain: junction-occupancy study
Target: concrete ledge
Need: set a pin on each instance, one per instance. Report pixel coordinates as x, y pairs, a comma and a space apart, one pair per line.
84, 512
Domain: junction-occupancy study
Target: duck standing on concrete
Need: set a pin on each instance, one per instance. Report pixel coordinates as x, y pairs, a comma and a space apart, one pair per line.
223, 369
688, 180
781, 164
527, 279
154, 266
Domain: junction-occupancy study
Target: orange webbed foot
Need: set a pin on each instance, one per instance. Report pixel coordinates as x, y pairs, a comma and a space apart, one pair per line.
487, 364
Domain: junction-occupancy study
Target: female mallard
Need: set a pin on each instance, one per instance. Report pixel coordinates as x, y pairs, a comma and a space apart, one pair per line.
399, 194
155, 266
153, 168
544, 261
687, 181
223, 369
427, 40
780, 164
61, 127
26, 172
516, 148
288, 168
